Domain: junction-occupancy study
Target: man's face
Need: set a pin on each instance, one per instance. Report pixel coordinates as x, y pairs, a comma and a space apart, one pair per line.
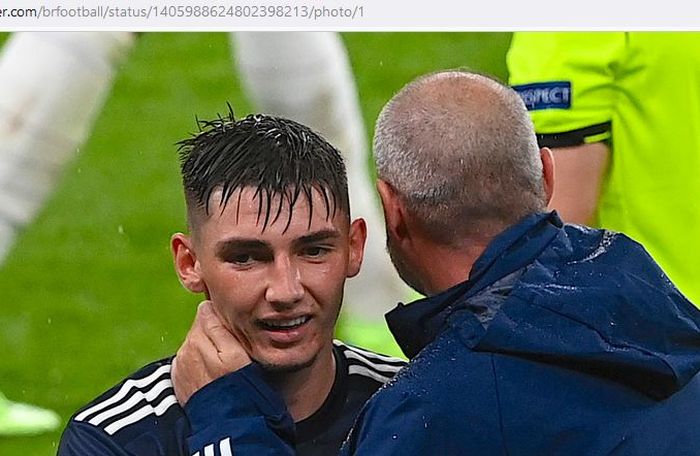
278, 289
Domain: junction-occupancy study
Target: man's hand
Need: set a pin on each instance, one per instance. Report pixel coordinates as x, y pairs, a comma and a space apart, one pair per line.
209, 351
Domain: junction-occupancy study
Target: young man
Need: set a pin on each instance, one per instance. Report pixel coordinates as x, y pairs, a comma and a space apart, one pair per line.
270, 246
536, 337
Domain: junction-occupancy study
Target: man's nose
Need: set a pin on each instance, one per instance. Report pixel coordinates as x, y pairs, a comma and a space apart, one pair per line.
285, 285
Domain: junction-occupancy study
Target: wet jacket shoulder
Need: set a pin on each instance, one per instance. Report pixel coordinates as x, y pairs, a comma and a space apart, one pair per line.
564, 340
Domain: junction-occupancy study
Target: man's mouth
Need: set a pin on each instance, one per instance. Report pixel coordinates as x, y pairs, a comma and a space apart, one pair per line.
283, 324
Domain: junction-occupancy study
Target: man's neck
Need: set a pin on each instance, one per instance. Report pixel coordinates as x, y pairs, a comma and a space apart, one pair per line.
447, 266
306, 390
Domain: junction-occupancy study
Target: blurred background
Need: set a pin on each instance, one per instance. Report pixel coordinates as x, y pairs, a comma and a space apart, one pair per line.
89, 293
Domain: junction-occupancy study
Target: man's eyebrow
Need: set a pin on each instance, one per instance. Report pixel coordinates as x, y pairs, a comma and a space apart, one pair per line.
318, 236
240, 243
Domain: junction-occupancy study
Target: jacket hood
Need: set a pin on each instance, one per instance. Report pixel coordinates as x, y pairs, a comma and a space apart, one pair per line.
587, 300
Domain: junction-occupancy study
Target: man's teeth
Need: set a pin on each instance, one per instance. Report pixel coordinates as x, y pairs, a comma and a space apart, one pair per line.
286, 323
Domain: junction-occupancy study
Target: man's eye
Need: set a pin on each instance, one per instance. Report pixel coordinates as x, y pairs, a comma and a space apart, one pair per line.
241, 259
315, 251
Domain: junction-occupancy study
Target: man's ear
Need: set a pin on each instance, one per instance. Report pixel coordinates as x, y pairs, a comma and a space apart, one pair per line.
547, 172
186, 264
357, 238
394, 211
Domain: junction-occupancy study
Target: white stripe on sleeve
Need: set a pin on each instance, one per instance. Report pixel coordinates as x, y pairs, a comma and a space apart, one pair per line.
389, 368
225, 447
362, 370
123, 391
158, 410
150, 396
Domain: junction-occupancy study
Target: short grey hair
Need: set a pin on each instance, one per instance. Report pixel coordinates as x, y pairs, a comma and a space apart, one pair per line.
460, 149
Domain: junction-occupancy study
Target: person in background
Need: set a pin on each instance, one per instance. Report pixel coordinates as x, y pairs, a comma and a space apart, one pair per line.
621, 113
52, 87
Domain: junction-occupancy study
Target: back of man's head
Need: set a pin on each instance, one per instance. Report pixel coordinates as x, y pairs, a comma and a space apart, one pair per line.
282, 159
461, 151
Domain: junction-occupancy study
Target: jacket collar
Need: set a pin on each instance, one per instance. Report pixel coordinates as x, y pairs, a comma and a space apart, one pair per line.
416, 325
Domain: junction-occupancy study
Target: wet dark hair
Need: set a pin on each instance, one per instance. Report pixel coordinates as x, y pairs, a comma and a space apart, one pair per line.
277, 157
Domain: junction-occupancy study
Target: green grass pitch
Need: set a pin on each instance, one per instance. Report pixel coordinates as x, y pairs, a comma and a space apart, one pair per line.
89, 293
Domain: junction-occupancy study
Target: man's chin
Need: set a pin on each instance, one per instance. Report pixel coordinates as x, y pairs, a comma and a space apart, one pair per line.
285, 367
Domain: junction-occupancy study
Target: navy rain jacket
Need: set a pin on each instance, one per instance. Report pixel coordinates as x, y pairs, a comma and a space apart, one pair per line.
565, 340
